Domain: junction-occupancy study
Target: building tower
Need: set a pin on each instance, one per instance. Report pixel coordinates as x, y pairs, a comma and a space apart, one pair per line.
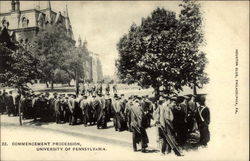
48, 5
38, 5
15, 13
67, 21
17, 6
48, 12
85, 43
12, 5
79, 41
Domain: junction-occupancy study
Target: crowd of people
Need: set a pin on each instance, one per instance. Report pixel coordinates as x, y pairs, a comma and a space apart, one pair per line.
89, 88
179, 120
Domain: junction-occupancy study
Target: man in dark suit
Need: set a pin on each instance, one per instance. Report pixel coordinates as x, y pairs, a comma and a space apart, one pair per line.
2, 104
84, 108
17, 102
10, 103
203, 120
58, 109
138, 129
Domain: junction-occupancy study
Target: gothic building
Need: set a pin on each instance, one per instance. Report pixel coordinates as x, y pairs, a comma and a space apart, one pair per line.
24, 24
91, 64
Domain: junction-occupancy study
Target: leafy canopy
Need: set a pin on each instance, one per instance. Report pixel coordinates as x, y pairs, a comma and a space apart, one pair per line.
164, 50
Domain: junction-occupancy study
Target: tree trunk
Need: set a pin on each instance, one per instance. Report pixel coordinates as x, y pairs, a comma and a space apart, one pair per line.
19, 110
195, 89
77, 83
47, 85
69, 83
157, 92
20, 114
52, 84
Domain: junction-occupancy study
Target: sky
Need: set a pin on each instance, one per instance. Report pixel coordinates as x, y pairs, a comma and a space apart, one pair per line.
102, 24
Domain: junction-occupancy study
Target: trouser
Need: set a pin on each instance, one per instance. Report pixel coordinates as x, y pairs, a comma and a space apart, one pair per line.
72, 120
10, 110
2, 108
59, 116
139, 137
85, 120
134, 140
65, 116
204, 134
181, 130
117, 122
16, 109
164, 146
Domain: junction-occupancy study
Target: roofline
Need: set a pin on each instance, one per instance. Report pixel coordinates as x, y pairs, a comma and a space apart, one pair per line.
23, 11
24, 29
29, 10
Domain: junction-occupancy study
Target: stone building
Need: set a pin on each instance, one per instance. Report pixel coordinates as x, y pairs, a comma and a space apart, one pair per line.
91, 63
96, 68
24, 24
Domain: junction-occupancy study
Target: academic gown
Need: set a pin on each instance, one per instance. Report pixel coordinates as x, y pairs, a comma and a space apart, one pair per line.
203, 120
137, 121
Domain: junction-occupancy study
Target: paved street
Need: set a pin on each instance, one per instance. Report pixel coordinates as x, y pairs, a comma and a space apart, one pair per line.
113, 142
117, 145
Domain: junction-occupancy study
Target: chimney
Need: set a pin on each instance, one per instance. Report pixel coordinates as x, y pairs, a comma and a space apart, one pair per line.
12, 5
17, 5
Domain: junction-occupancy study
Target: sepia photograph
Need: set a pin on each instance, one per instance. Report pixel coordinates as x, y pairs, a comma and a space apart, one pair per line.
124, 80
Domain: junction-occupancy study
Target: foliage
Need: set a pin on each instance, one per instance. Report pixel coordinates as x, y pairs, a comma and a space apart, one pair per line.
164, 51
20, 66
73, 62
49, 46
62, 77
190, 39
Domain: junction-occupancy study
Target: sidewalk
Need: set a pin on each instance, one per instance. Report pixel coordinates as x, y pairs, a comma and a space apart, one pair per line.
118, 144
108, 135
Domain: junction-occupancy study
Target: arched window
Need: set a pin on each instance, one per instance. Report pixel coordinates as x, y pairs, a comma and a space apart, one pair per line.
25, 22
5, 23
40, 20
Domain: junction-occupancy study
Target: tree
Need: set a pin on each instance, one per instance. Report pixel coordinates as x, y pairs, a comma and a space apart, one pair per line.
147, 53
190, 41
161, 53
73, 64
19, 66
62, 77
49, 46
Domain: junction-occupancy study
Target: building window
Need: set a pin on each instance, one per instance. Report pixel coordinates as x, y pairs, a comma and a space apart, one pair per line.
5, 23
40, 20
25, 22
